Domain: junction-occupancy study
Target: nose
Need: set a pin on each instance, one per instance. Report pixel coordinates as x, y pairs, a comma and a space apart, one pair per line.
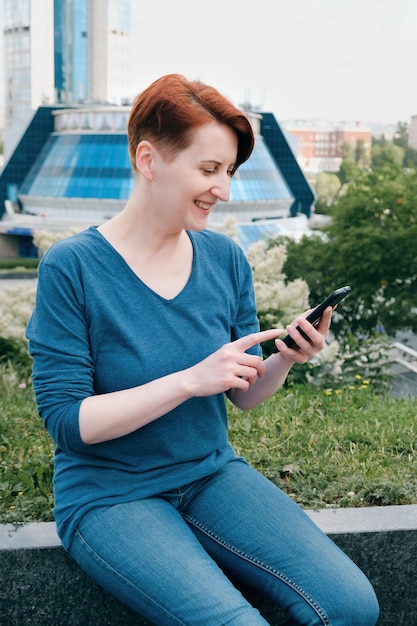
221, 188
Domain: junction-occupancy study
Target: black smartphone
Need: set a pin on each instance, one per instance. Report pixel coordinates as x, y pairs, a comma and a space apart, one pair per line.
315, 315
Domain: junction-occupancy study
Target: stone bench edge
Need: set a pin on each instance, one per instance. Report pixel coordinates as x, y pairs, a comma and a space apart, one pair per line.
331, 521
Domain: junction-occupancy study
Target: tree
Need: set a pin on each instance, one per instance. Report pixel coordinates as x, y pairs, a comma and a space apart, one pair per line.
346, 151
386, 153
327, 187
361, 157
396, 151
371, 245
401, 135
410, 158
348, 171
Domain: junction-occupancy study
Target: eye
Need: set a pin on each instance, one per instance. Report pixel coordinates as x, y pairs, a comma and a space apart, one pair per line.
209, 170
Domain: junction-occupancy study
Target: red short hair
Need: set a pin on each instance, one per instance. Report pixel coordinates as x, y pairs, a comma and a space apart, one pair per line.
169, 110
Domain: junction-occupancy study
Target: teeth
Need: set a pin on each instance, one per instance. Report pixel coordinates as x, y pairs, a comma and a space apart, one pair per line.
203, 205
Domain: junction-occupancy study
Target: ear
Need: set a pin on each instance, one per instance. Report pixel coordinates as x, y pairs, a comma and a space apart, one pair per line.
144, 159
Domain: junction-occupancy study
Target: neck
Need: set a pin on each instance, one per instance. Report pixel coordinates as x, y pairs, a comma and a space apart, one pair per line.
139, 226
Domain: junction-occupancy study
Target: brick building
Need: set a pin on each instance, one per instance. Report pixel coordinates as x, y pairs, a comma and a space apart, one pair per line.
318, 146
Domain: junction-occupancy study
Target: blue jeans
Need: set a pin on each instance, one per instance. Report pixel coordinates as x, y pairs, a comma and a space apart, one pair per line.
172, 558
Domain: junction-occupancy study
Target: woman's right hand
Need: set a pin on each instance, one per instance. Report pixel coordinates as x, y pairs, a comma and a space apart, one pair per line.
230, 367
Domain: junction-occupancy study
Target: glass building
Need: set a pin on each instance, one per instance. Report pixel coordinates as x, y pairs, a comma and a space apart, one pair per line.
64, 52
70, 51
72, 168
83, 172
17, 59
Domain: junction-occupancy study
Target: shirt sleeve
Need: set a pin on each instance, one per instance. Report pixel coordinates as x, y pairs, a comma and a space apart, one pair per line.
63, 371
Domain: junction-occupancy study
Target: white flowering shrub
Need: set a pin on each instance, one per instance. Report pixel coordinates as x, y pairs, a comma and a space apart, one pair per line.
228, 227
16, 306
278, 302
43, 239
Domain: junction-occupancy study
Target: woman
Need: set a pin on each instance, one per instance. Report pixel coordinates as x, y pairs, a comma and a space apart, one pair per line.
140, 329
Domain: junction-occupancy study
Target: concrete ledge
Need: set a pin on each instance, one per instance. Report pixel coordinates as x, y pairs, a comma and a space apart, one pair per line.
331, 521
366, 520
42, 585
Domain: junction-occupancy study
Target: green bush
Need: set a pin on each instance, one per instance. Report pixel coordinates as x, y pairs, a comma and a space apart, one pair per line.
19, 264
14, 351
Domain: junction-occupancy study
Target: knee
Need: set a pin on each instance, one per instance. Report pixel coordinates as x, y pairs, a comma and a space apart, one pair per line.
370, 609
358, 609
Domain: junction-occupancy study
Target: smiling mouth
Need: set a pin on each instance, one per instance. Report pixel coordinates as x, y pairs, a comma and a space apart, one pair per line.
203, 205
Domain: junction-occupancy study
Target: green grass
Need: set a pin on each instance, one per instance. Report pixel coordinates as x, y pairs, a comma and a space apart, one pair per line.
347, 448
326, 449
26, 456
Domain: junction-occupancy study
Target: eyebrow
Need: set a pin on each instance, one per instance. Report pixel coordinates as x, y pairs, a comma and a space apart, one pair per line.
214, 162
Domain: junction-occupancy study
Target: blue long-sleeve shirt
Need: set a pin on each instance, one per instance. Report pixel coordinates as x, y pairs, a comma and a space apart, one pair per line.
97, 328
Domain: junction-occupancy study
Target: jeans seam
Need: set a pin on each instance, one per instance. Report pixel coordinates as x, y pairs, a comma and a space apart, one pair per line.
109, 568
250, 559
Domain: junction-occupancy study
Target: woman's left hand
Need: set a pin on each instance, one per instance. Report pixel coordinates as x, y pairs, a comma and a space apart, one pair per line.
307, 348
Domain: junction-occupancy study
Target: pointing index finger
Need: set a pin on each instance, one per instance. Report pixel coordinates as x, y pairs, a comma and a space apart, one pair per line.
264, 335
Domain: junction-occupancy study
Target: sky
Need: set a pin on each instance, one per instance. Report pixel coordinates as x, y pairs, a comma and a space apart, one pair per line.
332, 60
353, 60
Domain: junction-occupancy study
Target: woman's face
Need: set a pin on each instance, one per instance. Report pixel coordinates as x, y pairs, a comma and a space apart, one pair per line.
187, 187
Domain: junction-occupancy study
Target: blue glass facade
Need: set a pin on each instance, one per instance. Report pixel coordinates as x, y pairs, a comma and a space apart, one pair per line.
79, 52
59, 50
283, 155
251, 233
81, 166
17, 59
70, 50
98, 166
20, 162
259, 178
